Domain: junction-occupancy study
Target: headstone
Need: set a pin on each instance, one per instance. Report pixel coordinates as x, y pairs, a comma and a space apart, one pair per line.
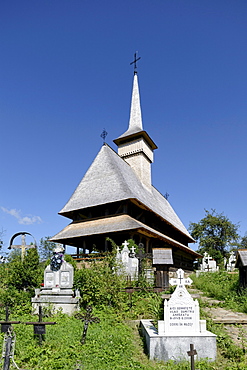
208, 264
180, 328
63, 278
230, 266
128, 263
181, 312
58, 286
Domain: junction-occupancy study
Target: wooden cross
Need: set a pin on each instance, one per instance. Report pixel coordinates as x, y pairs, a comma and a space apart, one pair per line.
192, 353
23, 245
39, 327
134, 62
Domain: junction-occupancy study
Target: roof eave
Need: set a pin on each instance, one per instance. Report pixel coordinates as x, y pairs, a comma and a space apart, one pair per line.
130, 137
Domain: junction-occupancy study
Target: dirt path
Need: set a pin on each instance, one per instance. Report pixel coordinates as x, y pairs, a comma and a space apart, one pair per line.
237, 331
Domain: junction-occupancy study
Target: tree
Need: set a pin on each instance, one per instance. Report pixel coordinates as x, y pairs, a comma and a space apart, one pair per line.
26, 274
46, 248
215, 233
243, 242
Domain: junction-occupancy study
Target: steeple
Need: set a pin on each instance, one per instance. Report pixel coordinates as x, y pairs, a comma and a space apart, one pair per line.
135, 121
135, 145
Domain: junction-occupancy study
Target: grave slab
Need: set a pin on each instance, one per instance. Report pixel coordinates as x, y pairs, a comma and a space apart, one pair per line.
180, 328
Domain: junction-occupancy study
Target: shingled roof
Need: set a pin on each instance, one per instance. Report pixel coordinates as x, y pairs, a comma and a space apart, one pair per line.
114, 224
241, 258
110, 179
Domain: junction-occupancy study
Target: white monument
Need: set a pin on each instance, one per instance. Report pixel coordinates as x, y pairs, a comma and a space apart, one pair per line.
127, 262
208, 264
230, 265
180, 328
58, 286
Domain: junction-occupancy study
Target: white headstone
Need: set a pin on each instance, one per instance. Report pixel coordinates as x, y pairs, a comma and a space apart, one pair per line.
208, 263
181, 312
63, 278
128, 263
231, 262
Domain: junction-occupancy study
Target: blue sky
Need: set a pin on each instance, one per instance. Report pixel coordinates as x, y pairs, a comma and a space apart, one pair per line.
65, 75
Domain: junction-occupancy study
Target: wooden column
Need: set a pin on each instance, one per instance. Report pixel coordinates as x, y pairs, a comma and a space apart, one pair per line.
162, 276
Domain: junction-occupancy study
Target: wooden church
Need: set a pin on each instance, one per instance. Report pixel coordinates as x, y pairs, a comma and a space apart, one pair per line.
116, 199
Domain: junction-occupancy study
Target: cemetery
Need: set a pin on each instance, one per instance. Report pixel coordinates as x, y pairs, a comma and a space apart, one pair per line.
102, 327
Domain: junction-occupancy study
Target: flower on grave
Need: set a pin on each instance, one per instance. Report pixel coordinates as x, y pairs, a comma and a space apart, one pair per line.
56, 261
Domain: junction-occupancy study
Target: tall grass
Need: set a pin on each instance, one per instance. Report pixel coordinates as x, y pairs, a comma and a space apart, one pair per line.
222, 286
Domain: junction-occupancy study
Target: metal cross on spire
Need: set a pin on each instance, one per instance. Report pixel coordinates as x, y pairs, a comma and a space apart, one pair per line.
103, 135
134, 62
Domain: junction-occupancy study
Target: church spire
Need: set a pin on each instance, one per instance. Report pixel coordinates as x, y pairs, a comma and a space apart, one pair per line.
135, 145
135, 121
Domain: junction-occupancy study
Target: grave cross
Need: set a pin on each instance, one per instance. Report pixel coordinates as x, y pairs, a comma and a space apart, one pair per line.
9, 349
125, 243
39, 327
180, 281
23, 245
192, 353
5, 325
9, 340
140, 256
88, 319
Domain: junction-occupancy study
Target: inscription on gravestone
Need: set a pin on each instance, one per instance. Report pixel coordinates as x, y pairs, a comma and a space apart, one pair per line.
64, 279
181, 313
49, 279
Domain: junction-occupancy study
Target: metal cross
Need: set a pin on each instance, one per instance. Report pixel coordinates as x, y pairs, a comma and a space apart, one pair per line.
103, 135
134, 62
166, 195
87, 318
39, 326
141, 255
5, 325
192, 353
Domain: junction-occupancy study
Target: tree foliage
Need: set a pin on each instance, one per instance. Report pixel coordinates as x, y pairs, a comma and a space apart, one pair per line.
243, 243
215, 233
46, 247
26, 274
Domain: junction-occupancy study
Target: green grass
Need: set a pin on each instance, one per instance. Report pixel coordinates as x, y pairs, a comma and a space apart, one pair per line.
224, 287
115, 343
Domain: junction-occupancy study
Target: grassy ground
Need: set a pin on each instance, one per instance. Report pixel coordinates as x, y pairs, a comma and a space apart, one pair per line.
113, 343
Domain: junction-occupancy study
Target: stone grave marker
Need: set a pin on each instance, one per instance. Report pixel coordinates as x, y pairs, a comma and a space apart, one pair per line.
58, 286
208, 264
180, 328
230, 265
128, 263
181, 312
